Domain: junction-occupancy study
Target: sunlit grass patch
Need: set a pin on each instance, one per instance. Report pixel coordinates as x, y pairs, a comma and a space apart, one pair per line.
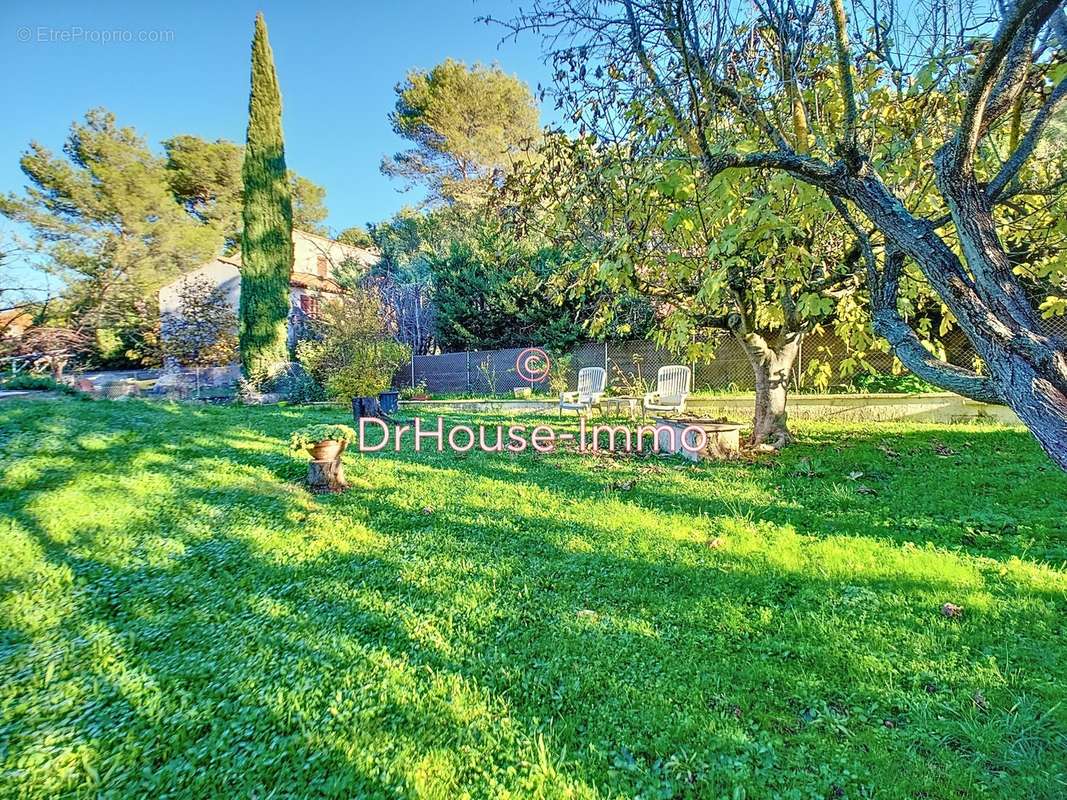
179, 616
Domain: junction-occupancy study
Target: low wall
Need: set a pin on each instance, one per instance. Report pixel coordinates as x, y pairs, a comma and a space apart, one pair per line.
173, 382
934, 407
476, 406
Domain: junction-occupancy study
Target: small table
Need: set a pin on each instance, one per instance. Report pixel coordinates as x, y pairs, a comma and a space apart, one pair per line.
631, 403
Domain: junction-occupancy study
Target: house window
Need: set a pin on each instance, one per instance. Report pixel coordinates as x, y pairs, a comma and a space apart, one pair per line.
322, 266
309, 305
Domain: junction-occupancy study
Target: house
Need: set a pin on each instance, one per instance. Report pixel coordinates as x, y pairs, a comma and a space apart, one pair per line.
14, 321
312, 277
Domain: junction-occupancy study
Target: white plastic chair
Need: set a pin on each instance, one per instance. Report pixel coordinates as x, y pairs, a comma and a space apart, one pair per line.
672, 389
591, 384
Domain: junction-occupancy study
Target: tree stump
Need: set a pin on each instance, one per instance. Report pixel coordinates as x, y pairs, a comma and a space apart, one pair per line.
327, 475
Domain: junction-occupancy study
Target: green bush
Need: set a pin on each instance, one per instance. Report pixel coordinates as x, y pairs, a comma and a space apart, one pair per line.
559, 373
878, 383
34, 382
303, 388
370, 369
408, 392
353, 352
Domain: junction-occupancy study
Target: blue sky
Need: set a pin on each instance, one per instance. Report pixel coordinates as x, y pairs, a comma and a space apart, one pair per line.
337, 63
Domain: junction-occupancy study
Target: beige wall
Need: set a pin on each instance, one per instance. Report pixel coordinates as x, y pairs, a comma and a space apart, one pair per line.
216, 273
307, 249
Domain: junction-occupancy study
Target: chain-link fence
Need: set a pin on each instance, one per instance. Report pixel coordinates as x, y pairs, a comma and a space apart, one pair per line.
632, 366
482, 372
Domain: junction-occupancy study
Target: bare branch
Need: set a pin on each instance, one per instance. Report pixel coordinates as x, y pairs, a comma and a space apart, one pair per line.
1016, 160
637, 42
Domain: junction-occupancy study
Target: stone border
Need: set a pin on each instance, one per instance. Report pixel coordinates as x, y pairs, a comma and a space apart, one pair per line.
932, 407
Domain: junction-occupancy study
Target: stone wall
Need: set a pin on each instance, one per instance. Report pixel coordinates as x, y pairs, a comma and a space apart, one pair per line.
934, 407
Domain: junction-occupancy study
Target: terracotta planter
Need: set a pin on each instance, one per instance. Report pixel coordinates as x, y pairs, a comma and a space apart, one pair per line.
327, 450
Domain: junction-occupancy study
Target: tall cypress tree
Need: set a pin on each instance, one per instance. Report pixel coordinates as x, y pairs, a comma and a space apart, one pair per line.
267, 237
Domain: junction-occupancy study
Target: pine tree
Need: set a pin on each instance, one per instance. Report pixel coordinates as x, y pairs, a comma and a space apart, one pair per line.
266, 240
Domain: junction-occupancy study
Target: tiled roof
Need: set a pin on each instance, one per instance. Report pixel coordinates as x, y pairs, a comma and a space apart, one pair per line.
304, 280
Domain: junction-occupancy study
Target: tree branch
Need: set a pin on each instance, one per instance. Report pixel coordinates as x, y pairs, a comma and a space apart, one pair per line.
750, 112
1026, 146
884, 288
637, 42
812, 170
844, 68
1009, 86
966, 139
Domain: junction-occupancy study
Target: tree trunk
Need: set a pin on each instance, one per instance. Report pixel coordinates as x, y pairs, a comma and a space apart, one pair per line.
326, 476
1026, 365
770, 426
57, 364
1040, 405
1031, 391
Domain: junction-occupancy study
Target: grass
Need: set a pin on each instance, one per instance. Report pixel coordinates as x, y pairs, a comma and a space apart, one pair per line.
35, 382
178, 617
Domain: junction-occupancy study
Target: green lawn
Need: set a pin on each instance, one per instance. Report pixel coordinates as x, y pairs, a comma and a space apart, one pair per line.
178, 617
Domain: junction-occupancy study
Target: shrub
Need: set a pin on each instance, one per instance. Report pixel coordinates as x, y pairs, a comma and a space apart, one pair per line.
632, 384
309, 435
370, 370
559, 373
876, 383
54, 347
419, 389
303, 388
353, 353
36, 382
109, 345
203, 331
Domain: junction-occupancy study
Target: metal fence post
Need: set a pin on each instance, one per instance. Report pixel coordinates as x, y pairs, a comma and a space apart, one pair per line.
412, 369
605, 356
468, 371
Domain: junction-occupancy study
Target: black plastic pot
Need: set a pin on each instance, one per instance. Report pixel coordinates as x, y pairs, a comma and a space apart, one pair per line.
365, 407
390, 401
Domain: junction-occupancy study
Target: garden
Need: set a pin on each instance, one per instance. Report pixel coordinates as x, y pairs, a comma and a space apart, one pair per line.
181, 617
696, 429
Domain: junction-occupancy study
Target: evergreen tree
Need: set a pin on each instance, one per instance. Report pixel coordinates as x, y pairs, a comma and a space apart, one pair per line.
469, 127
266, 239
205, 178
107, 226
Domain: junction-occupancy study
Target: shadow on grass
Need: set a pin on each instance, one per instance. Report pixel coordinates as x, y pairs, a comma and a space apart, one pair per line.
249, 636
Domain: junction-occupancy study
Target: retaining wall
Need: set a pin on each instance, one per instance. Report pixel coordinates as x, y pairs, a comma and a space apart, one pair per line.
934, 407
